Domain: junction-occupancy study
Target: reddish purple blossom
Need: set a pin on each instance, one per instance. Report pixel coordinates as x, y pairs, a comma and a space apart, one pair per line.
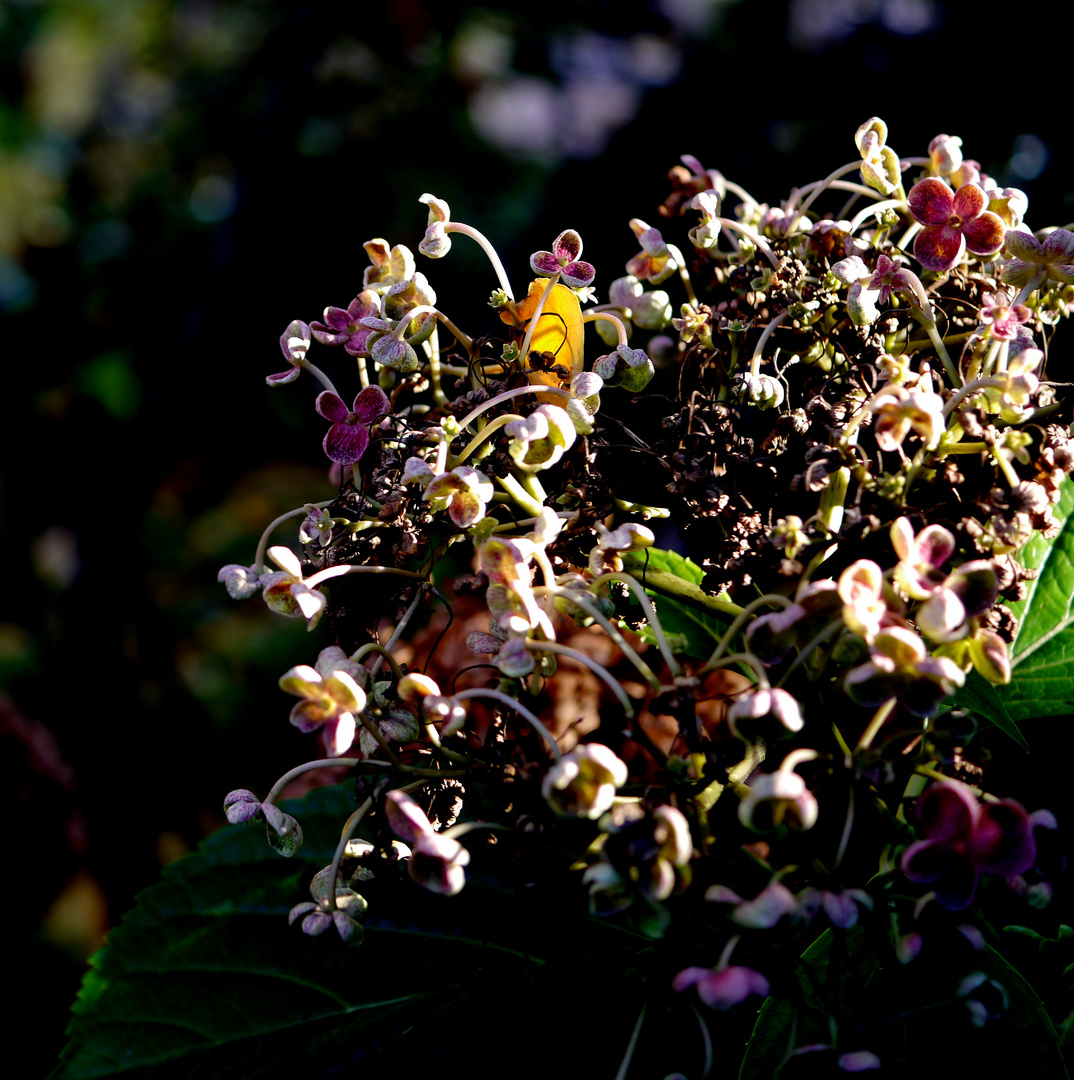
722, 988
344, 326
965, 839
953, 221
564, 259
348, 437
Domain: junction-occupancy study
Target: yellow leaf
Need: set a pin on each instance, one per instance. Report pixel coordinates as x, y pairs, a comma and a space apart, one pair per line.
557, 339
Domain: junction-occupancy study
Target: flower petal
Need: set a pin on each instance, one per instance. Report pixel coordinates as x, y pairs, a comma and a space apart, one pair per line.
939, 247
931, 201
346, 443
331, 406
985, 234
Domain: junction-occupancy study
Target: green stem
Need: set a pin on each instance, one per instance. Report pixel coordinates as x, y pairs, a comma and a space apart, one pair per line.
519, 494
471, 416
877, 722
740, 621
572, 596
349, 829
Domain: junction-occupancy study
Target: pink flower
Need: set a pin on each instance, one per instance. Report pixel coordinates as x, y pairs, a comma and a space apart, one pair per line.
344, 326
965, 840
288, 593
436, 861
564, 259
900, 666
722, 988
583, 783
348, 437
654, 261
953, 222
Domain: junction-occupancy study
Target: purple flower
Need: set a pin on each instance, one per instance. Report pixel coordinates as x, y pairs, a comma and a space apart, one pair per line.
295, 343
348, 437
344, 326
722, 988
564, 259
436, 861
964, 840
953, 221
1033, 260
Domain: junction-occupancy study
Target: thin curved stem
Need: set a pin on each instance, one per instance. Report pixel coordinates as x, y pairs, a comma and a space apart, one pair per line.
320, 376
299, 770
599, 670
607, 316
489, 250
650, 614
524, 351
740, 621
572, 596
262, 544
516, 706
518, 391
349, 828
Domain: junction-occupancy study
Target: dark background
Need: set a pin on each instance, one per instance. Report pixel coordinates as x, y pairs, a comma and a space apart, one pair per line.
179, 180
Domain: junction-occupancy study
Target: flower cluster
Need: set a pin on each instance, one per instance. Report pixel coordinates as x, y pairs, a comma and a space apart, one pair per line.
847, 417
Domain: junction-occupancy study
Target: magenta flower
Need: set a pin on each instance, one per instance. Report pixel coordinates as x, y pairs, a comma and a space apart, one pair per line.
294, 343
1004, 321
964, 840
953, 221
348, 437
344, 326
722, 988
564, 259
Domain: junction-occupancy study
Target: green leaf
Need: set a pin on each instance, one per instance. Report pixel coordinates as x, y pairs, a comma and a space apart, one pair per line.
204, 978
693, 620
1042, 655
849, 987
982, 698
